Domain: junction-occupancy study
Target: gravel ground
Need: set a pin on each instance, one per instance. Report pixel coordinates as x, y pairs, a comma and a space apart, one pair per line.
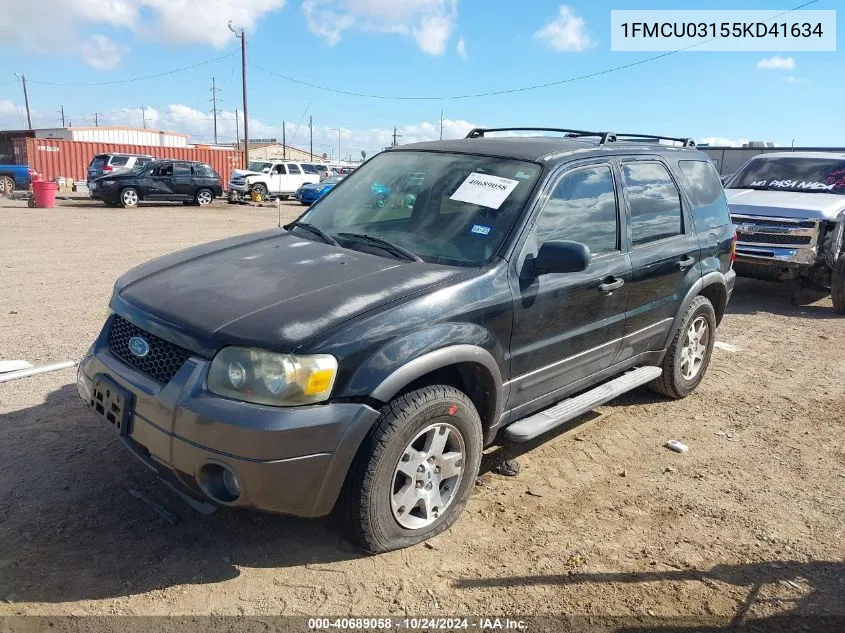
602, 520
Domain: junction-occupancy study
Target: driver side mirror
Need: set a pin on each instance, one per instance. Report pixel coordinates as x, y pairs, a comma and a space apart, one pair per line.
562, 257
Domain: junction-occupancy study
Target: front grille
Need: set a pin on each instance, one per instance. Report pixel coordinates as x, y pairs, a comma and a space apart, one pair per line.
774, 238
802, 224
161, 363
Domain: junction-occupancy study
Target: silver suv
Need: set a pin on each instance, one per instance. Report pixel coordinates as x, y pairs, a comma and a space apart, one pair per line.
114, 163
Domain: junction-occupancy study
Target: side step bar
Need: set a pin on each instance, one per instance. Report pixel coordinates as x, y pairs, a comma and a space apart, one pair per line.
537, 424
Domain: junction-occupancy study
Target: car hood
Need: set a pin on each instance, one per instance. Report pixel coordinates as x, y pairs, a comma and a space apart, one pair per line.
314, 186
270, 289
241, 173
785, 204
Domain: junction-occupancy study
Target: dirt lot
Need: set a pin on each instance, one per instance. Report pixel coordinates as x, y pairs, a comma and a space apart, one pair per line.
602, 519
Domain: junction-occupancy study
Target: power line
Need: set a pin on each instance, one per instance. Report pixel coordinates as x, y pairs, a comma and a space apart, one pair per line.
493, 93
133, 79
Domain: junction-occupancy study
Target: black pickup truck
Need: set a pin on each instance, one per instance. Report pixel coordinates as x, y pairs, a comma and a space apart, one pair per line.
365, 355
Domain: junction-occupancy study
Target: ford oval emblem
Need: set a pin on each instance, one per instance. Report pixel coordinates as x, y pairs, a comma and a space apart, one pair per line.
138, 346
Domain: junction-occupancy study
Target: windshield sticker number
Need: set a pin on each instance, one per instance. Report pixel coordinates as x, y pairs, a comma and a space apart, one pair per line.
484, 190
793, 184
480, 229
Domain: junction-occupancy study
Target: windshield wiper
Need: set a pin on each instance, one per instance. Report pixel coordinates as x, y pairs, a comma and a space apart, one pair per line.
316, 230
383, 243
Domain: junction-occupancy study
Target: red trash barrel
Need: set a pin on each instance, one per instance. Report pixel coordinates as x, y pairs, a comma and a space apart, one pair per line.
44, 193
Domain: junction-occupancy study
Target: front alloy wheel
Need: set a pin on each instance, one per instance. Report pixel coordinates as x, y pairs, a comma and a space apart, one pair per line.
414, 471
204, 197
427, 476
7, 186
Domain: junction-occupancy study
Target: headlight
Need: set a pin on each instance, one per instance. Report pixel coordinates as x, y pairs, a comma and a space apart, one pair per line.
281, 380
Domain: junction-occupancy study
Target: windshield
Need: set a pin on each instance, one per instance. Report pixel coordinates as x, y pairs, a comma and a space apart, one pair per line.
445, 208
792, 173
260, 167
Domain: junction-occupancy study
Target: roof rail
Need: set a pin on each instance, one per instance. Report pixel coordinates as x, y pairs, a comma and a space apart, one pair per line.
685, 142
605, 137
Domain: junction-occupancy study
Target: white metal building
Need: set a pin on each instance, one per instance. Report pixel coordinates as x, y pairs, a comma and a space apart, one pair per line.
124, 136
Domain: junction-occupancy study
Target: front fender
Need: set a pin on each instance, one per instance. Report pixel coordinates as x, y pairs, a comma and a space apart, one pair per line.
404, 360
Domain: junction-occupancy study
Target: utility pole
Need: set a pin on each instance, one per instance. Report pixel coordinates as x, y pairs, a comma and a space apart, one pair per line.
284, 143
395, 136
441, 125
25, 100
62, 112
214, 90
242, 37
144, 116
96, 116
311, 137
237, 133
339, 154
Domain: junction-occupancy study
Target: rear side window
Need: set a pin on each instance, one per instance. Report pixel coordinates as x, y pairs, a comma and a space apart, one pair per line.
654, 200
309, 169
181, 169
293, 169
119, 161
582, 208
204, 171
708, 197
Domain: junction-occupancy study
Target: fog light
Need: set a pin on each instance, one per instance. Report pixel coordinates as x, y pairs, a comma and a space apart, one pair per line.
231, 483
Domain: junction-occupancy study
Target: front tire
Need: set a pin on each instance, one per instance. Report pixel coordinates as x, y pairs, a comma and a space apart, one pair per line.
414, 471
260, 190
129, 198
837, 285
7, 186
688, 355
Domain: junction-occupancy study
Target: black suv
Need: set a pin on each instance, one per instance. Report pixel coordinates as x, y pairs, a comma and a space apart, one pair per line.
367, 354
161, 180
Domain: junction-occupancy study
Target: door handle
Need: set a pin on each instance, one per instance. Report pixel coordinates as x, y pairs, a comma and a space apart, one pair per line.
611, 284
686, 262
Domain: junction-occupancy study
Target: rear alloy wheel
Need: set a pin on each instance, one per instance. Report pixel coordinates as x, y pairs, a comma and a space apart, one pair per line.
414, 471
204, 197
7, 186
129, 198
837, 285
688, 355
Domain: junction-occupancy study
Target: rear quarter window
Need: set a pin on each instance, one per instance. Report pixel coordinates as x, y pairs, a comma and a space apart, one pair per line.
309, 169
710, 206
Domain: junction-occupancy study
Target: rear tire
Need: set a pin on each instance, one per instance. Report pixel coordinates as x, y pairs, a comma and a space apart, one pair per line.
7, 186
204, 197
417, 465
129, 198
837, 285
688, 356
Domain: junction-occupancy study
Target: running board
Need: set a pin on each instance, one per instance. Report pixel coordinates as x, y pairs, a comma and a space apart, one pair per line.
537, 424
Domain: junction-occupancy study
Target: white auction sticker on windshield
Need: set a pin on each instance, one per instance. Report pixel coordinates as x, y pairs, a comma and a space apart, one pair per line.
485, 190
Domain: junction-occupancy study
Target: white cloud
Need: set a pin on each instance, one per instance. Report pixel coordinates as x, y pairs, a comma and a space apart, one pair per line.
461, 47
62, 26
795, 80
429, 22
567, 33
102, 53
776, 63
723, 141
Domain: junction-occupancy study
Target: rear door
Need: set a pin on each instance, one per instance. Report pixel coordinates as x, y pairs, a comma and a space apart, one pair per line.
665, 253
295, 178
184, 186
568, 326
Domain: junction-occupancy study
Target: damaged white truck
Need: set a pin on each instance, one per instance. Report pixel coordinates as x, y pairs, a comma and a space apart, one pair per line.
789, 213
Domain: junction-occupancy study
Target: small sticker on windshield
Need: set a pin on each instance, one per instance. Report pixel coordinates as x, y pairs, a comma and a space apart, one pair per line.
484, 190
480, 229
522, 175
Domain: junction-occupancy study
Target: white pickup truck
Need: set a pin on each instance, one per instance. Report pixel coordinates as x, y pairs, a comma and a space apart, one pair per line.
273, 178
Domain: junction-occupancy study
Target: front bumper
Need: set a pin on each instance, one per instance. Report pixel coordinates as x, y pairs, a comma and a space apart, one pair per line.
286, 460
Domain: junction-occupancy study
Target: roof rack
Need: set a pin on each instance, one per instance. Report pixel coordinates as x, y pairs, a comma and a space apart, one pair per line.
605, 137
685, 142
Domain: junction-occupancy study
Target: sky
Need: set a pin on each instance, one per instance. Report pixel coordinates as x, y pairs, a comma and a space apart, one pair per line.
400, 48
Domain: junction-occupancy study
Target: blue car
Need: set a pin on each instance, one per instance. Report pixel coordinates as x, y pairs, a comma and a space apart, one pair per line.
310, 193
